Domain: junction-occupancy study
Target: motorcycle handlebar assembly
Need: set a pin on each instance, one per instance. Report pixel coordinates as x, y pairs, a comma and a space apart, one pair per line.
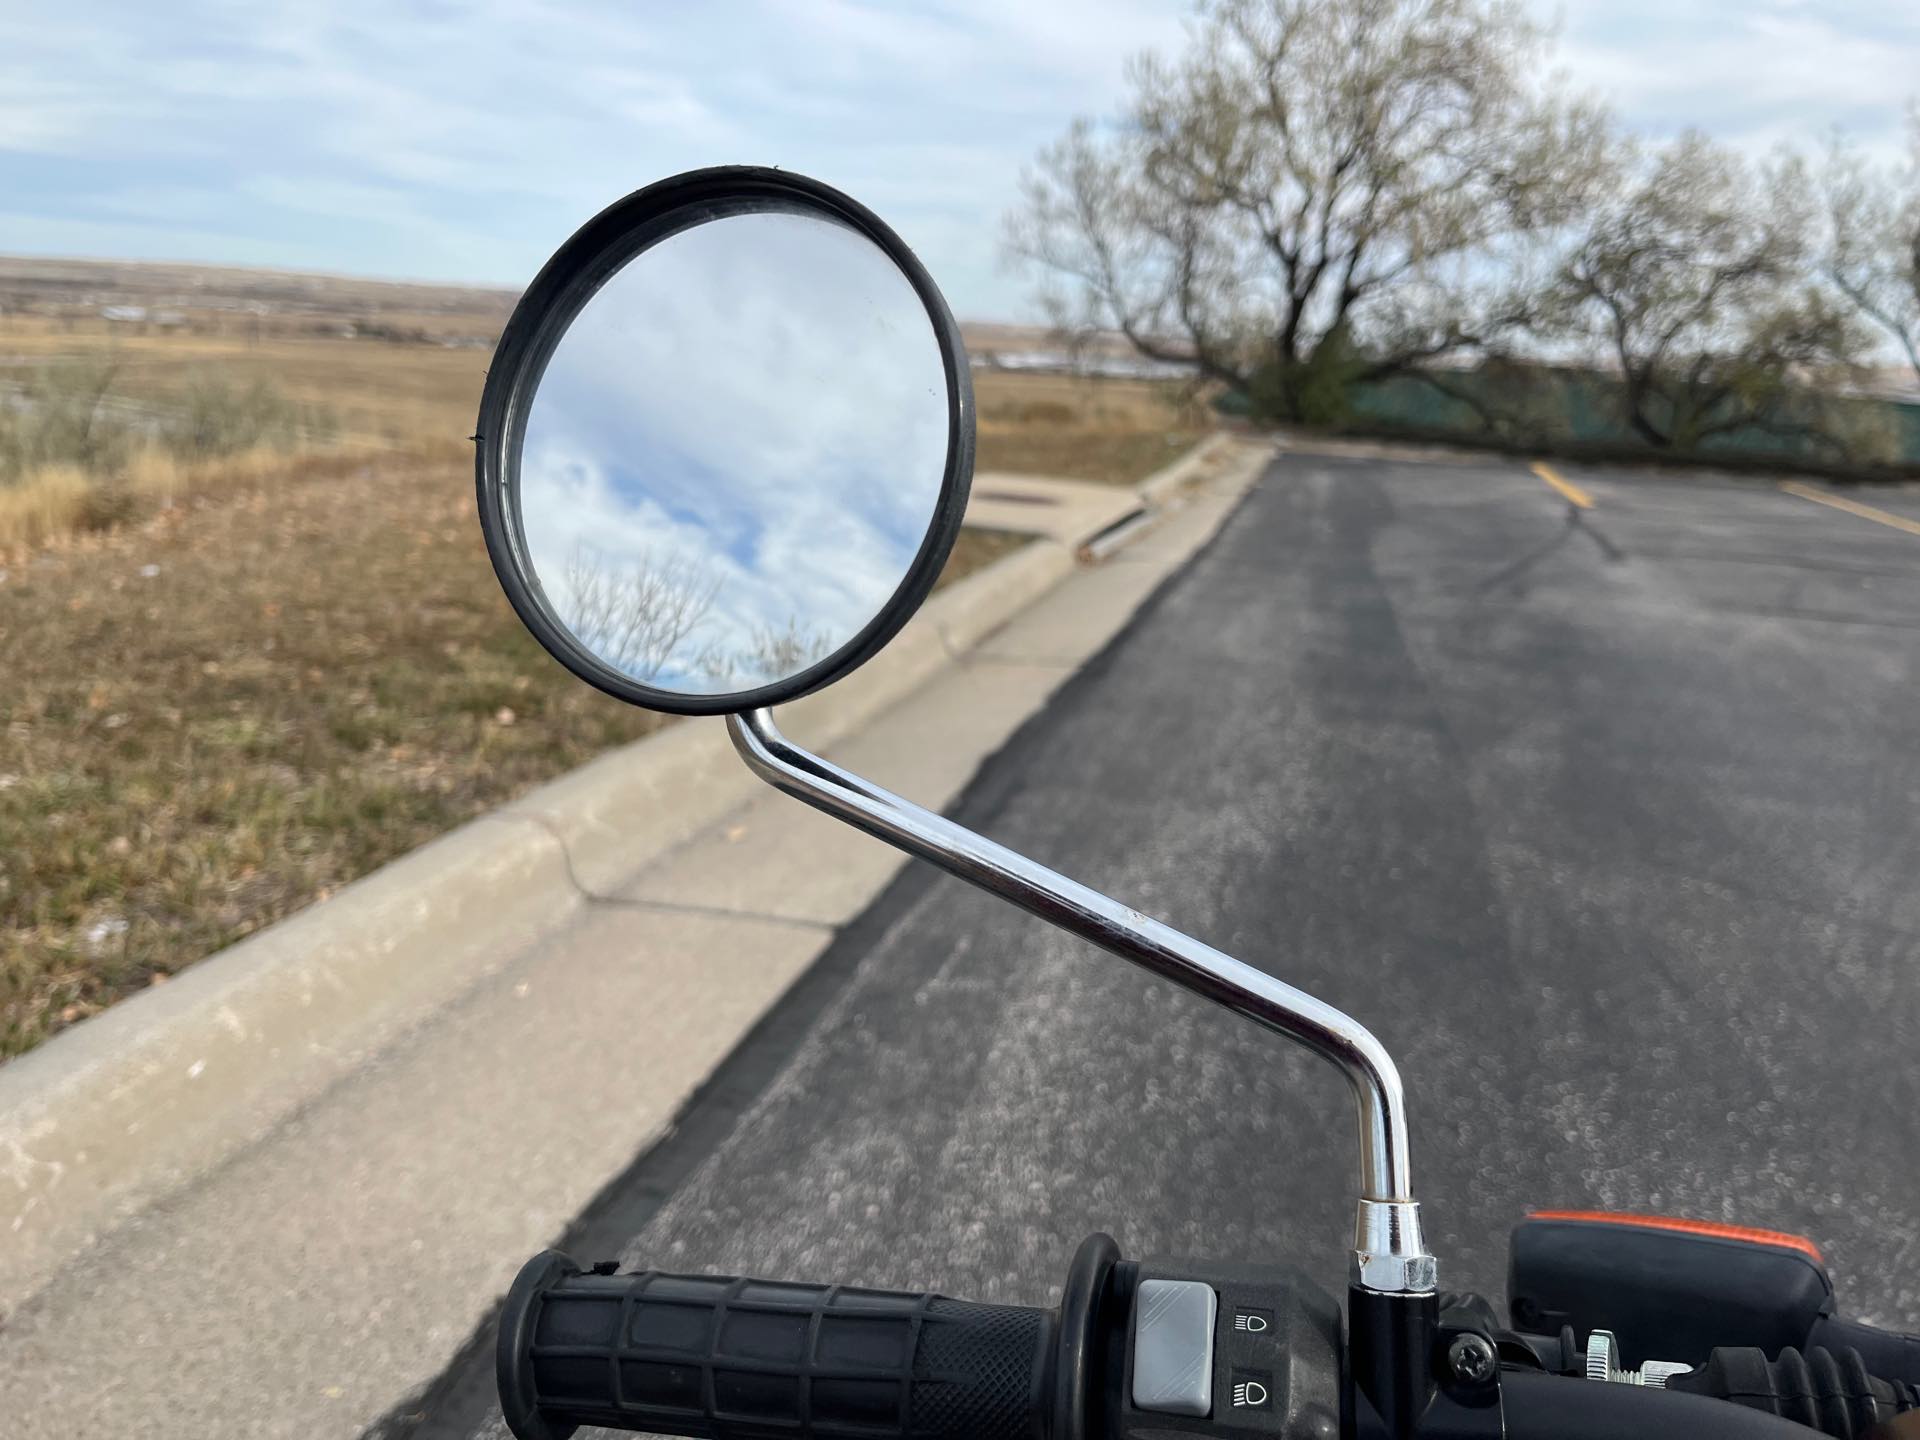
1136, 1350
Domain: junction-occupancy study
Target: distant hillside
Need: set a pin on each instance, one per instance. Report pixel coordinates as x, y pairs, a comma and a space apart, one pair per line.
91, 283
150, 296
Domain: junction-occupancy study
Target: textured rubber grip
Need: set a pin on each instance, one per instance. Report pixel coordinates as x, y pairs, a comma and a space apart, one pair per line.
730, 1359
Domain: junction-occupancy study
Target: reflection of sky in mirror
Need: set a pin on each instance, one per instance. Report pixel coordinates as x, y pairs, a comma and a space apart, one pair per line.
735, 452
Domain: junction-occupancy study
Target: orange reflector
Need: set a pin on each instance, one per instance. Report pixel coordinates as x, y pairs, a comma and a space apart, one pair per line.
1779, 1239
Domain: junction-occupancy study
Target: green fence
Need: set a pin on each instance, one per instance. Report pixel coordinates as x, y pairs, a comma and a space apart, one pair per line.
1582, 412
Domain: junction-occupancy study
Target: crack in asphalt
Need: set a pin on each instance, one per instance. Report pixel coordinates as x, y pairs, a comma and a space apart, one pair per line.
1577, 522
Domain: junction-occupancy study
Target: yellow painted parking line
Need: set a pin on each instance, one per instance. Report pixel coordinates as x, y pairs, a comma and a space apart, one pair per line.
1571, 492
1852, 507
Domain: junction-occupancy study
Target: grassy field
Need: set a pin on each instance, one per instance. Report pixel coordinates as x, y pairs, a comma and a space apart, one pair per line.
1080, 429
253, 679
381, 395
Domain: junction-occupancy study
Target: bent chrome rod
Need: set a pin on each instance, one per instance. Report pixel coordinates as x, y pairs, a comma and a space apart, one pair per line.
1389, 1254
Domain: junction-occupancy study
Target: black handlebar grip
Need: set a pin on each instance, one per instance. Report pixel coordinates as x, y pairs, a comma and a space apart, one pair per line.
729, 1359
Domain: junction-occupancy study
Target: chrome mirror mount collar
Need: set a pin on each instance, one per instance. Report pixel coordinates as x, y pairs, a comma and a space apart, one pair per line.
1389, 1254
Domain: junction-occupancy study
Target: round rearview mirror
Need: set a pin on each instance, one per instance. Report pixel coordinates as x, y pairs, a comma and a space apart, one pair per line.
725, 443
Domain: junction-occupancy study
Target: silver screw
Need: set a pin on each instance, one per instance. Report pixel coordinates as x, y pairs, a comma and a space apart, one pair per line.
1472, 1358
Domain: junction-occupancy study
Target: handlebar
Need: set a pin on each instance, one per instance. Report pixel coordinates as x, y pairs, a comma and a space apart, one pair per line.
1136, 1351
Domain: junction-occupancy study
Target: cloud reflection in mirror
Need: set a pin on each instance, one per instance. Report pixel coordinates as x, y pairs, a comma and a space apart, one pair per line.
735, 453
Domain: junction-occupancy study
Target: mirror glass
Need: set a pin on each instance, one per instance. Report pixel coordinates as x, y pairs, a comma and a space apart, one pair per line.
735, 453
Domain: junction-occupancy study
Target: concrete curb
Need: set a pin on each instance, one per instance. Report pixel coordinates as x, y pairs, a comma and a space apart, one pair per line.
1202, 460
112, 1115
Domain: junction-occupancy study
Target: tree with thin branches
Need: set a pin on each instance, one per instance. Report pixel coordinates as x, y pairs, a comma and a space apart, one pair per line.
1873, 253
636, 615
1695, 282
1316, 191
771, 652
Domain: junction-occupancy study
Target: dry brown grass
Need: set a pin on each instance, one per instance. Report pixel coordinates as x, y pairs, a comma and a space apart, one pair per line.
977, 549
115, 427
1114, 430
386, 396
58, 502
52, 503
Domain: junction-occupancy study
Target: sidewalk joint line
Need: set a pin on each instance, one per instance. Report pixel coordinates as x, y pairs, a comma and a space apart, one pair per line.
625, 902
1037, 662
715, 912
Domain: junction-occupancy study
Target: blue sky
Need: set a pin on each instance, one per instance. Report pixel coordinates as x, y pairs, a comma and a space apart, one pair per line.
463, 139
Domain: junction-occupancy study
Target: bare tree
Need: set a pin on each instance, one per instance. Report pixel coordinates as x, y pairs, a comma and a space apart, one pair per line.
1873, 253
635, 616
771, 653
1694, 281
1307, 188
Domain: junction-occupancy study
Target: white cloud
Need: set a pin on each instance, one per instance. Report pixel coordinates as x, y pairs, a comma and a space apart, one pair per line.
513, 122
496, 126
1756, 74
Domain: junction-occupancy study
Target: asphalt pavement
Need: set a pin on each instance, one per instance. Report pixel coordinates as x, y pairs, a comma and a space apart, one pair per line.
1602, 818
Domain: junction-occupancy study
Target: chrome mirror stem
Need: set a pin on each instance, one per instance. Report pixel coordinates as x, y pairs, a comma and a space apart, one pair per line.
1389, 1255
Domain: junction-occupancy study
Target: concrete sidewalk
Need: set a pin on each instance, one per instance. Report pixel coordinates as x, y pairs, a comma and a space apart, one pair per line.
1064, 510
312, 1280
